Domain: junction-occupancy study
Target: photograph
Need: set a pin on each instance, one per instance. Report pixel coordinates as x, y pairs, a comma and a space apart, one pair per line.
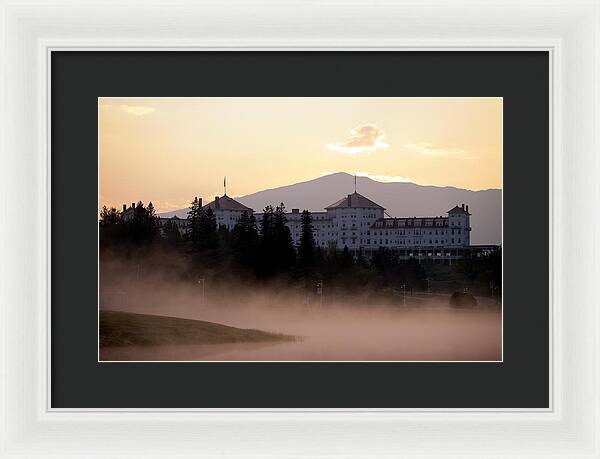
300, 229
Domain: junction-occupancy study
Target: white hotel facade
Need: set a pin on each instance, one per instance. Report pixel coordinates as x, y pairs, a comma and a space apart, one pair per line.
361, 225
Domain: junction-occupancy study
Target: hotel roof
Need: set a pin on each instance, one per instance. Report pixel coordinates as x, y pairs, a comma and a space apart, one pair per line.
459, 210
226, 203
355, 200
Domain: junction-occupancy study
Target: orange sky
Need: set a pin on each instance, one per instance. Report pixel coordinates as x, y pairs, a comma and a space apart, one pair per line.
169, 150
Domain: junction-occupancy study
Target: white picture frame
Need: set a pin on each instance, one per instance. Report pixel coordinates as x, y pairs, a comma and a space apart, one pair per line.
569, 30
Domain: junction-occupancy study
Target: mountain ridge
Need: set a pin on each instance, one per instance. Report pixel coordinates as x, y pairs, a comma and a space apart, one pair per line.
401, 199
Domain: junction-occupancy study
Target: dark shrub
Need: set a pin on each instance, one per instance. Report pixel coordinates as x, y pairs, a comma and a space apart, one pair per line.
462, 300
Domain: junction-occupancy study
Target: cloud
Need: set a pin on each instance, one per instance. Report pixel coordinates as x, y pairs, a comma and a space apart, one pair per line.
137, 110
363, 139
428, 149
384, 178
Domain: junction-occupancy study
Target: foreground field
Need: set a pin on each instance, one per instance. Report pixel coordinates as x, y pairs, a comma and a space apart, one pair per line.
118, 329
432, 332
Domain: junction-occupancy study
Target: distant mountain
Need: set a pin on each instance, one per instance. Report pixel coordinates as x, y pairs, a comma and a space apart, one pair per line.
399, 199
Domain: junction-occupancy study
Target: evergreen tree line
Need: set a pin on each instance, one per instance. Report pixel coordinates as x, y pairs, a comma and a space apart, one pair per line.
265, 250
255, 250
262, 249
138, 230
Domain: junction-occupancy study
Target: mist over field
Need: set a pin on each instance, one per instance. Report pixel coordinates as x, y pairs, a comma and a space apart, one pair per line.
361, 326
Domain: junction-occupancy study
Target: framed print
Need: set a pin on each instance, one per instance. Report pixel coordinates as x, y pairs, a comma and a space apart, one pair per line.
247, 290
296, 233
285, 283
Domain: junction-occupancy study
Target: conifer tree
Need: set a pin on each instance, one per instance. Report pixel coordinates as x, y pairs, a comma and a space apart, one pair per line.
245, 241
286, 254
306, 250
171, 232
151, 222
109, 216
264, 261
194, 223
277, 252
208, 229
266, 224
110, 226
137, 226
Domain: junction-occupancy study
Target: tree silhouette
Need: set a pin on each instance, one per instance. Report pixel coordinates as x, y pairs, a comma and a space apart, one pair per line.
171, 232
246, 253
276, 254
203, 227
244, 241
284, 245
141, 228
306, 250
152, 222
266, 256
194, 223
109, 216
208, 229
110, 228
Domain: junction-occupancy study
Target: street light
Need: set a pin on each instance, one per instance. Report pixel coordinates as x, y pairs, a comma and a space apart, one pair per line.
201, 281
495, 290
320, 293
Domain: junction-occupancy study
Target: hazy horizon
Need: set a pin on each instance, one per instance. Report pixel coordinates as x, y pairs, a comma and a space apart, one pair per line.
210, 198
168, 150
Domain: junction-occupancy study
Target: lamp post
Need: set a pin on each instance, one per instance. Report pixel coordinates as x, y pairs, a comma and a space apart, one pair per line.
201, 281
403, 294
495, 290
320, 293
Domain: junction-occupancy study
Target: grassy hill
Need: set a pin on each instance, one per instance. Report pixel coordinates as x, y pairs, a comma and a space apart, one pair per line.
125, 329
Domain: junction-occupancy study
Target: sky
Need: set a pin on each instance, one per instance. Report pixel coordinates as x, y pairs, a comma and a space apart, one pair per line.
168, 150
